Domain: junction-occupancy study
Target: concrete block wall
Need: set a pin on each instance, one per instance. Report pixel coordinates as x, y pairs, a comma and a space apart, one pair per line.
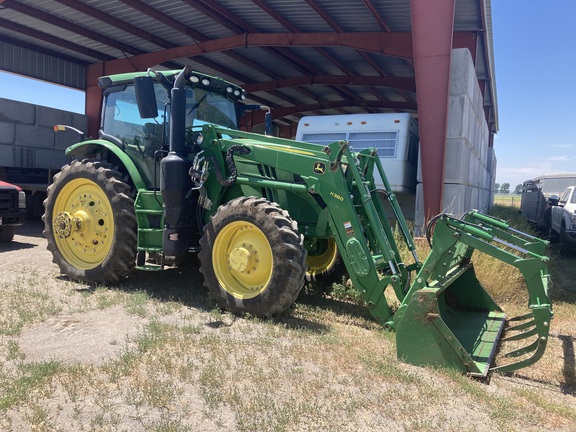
469, 166
491, 169
27, 137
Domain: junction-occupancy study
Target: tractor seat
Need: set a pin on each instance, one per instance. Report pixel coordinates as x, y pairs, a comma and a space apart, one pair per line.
152, 139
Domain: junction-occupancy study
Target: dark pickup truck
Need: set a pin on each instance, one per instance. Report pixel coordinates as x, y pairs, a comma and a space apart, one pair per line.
12, 210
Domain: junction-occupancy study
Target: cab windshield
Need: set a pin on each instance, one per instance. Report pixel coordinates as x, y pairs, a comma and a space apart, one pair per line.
207, 107
122, 120
142, 138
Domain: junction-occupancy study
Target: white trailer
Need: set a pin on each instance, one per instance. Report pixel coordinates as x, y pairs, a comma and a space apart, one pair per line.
395, 137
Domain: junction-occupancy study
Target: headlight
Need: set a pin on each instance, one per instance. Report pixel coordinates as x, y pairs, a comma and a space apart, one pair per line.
21, 200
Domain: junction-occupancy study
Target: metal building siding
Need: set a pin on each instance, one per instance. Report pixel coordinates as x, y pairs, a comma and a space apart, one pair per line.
467, 15
296, 12
350, 15
395, 13
34, 64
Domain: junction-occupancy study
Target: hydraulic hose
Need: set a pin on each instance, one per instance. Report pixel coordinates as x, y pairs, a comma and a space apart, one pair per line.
230, 180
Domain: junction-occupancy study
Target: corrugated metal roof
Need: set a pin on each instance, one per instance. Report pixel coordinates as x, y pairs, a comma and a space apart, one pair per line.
56, 40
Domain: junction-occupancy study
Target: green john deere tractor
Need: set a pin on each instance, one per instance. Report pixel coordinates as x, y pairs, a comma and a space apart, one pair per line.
171, 174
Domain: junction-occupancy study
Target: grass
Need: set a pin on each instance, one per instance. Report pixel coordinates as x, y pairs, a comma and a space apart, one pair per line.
25, 301
509, 200
30, 376
323, 365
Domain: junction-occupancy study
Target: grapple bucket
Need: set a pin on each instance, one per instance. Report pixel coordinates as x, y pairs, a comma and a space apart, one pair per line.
448, 319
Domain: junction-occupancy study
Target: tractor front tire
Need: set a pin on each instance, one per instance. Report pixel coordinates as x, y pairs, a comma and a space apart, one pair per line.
252, 257
90, 224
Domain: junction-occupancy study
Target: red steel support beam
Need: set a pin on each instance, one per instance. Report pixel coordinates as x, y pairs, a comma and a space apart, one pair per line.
93, 97
402, 83
286, 111
432, 33
466, 40
393, 44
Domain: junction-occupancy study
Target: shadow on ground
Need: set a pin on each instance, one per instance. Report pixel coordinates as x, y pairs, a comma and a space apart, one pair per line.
15, 245
184, 285
31, 228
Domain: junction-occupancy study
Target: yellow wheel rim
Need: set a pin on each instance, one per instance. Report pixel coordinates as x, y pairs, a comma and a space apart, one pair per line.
83, 224
323, 257
242, 259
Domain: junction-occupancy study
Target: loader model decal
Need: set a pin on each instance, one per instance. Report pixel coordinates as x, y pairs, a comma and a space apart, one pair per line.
338, 197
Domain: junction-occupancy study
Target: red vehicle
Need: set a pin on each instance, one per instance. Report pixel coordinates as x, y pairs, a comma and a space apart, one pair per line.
12, 210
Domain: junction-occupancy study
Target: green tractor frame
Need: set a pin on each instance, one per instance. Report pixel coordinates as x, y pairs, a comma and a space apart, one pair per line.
171, 174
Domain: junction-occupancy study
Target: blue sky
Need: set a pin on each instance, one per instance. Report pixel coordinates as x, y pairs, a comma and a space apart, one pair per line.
41, 93
535, 62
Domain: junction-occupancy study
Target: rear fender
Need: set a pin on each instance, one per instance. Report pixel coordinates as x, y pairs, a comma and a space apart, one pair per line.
87, 149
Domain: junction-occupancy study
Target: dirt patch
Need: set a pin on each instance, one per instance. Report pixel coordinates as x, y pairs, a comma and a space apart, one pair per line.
27, 251
90, 337
87, 337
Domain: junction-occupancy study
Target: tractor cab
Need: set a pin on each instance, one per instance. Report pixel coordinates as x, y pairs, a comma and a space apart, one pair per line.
209, 100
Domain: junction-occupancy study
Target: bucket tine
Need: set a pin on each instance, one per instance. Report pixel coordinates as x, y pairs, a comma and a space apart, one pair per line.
522, 326
520, 336
519, 352
522, 317
539, 346
542, 315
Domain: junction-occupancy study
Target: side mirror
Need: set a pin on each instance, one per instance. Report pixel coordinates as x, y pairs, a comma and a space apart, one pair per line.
267, 117
553, 200
145, 97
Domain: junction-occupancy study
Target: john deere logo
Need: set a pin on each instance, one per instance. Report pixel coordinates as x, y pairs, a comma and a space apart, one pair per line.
319, 168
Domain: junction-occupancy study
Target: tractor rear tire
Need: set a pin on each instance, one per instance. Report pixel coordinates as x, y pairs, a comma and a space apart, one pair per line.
90, 224
252, 257
6, 233
324, 263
